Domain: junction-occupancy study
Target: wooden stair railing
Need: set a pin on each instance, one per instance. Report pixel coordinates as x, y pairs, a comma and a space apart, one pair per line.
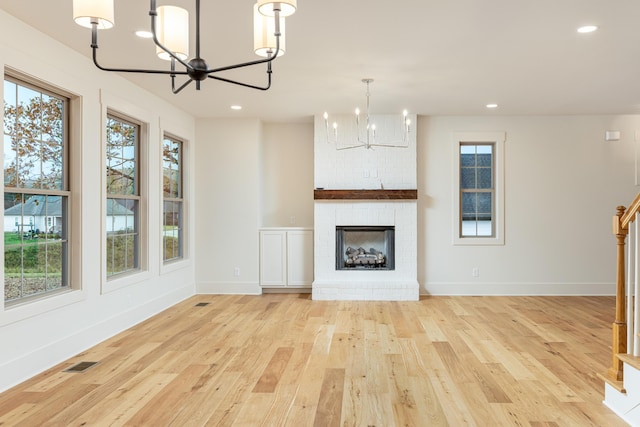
621, 223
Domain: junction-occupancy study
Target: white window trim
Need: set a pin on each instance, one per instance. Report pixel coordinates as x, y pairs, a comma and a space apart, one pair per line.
33, 307
168, 127
498, 140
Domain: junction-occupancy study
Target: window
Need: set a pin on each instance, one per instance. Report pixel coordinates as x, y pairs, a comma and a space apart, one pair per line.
476, 190
123, 195
36, 191
479, 176
172, 204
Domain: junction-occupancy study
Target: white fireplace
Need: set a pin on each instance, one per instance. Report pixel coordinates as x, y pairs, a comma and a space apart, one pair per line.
362, 187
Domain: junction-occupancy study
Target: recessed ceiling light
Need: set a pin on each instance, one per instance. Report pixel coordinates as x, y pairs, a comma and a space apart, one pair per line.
236, 107
144, 34
492, 105
587, 29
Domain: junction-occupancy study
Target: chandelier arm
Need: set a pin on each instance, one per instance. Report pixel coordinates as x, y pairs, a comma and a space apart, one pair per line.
94, 47
391, 145
349, 147
269, 59
245, 84
173, 85
241, 65
154, 13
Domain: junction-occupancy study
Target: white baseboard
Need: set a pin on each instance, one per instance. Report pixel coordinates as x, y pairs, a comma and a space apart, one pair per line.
447, 288
227, 288
518, 289
16, 371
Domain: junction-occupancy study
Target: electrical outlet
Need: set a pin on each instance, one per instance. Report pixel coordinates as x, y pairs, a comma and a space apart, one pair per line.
365, 174
236, 271
475, 272
292, 219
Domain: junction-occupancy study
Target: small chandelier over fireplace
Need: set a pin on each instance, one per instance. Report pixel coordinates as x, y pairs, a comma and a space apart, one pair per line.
170, 33
366, 132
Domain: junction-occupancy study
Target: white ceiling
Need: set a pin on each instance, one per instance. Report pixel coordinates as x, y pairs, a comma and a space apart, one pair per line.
434, 57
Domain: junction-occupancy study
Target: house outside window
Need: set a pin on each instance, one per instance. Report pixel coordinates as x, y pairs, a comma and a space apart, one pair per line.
123, 195
173, 203
36, 191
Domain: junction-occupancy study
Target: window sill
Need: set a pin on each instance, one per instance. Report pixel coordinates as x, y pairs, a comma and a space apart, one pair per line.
113, 284
174, 265
478, 241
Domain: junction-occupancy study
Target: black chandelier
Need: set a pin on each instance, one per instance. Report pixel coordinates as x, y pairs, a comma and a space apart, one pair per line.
170, 33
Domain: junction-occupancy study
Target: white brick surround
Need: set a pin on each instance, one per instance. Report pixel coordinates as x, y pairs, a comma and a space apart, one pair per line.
396, 285
359, 168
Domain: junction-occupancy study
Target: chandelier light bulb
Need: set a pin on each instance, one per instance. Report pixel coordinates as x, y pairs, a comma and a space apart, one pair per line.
284, 7
173, 32
264, 30
86, 12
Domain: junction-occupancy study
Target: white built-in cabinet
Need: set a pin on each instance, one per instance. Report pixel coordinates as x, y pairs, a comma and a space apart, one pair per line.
286, 257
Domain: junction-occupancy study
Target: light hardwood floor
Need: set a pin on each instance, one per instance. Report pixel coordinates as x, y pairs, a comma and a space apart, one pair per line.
284, 360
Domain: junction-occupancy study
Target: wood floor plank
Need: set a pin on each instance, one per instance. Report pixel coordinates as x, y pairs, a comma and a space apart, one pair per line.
197, 408
403, 395
285, 360
274, 370
329, 410
21, 413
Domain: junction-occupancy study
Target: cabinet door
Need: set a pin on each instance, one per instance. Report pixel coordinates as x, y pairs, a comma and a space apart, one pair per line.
273, 258
300, 258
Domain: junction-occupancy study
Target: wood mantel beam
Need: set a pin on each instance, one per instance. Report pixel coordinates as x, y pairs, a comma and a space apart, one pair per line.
365, 194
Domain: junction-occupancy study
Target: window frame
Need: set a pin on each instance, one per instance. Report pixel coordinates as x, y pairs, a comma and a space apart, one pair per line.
129, 114
135, 197
497, 140
70, 252
179, 200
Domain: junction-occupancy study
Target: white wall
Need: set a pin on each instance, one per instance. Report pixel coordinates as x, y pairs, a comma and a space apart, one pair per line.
286, 176
37, 335
562, 184
227, 203
249, 175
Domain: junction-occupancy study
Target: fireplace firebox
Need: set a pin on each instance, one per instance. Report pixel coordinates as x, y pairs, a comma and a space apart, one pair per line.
365, 248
